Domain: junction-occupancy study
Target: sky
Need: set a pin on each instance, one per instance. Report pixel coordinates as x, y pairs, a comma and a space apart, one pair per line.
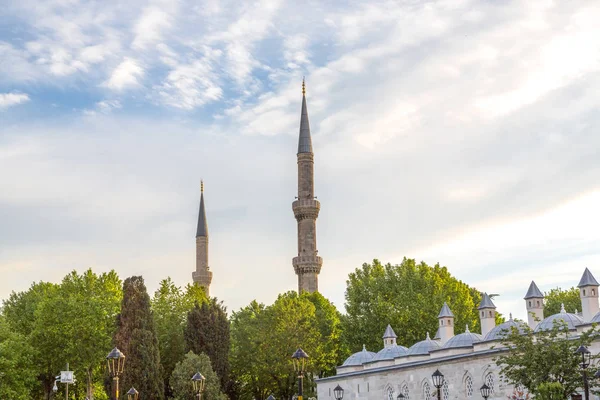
464, 132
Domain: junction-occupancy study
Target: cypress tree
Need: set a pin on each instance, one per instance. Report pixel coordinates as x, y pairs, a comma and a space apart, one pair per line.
207, 331
136, 338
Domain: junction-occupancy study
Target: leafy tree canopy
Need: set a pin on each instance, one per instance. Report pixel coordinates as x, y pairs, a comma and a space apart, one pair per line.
181, 379
545, 357
17, 368
407, 296
556, 297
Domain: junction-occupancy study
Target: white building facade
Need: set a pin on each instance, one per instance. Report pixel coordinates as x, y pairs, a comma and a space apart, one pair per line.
466, 360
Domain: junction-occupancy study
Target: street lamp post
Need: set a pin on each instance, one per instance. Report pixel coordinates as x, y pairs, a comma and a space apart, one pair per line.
116, 362
438, 382
400, 397
338, 393
198, 381
485, 391
132, 394
585, 363
300, 358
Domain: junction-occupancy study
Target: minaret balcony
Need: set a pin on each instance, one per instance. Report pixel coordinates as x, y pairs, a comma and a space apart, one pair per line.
301, 261
306, 208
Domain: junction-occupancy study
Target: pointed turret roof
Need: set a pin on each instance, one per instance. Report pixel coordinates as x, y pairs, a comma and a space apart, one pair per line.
389, 333
304, 142
587, 279
445, 311
533, 292
486, 302
202, 225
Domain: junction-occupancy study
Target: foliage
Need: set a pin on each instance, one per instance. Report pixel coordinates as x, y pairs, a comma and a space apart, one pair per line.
546, 356
136, 338
263, 338
20, 307
556, 297
17, 369
170, 306
518, 393
207, 331
182, 375
407, 296
550, 391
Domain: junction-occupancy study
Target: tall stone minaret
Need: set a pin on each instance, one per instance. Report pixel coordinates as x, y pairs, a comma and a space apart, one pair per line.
306, 210
202, 275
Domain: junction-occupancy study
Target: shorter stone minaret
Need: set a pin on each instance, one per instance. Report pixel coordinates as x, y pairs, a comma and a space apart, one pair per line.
487, 314
389, 337
534, 300
202, 275
588, 293
446, 324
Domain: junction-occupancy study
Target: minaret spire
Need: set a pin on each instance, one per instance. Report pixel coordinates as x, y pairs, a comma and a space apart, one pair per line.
202, 276
306, 209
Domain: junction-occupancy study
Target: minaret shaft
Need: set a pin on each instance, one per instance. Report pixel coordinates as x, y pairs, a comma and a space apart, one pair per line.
202, 275
306, 210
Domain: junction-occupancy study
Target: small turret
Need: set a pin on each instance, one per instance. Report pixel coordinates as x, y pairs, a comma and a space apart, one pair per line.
534, 301
588, 293
446, 324
389, 337
487, 314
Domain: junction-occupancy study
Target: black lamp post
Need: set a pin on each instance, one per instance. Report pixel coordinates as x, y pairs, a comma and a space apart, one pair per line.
271, 397
338, 393
485, 391
116, 362
198, 383
400, 397
300, 358
438, 382
132, 394
585, 363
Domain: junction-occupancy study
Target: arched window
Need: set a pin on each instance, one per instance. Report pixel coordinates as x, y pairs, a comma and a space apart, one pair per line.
489, 380
490, 313
426, 391
445, 391
584, 292
405, 392
390, 394
593, 292
469, 386
530, 303
538, 303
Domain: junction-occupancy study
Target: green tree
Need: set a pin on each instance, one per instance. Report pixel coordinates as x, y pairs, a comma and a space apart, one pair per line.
550, 391
207, 331
136, 338
546, 357
408, 296
17, 368
181, 379
556, 297
264, 338
170, 306
76, 323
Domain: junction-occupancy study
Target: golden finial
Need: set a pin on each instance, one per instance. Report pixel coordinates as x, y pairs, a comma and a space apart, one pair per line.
202, 186
303, 87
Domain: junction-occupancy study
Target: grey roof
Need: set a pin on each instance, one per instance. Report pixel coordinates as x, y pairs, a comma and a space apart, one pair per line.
588, 279
389, 333
390, 352
304, 141
572, 321
463, 340
359, 358
486, 302
500, 331
596, 319
533, 292
423, 347
202, 225
445, 311
437, 334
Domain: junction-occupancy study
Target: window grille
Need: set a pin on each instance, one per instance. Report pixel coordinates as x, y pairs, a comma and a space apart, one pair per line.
489, 380
469, 386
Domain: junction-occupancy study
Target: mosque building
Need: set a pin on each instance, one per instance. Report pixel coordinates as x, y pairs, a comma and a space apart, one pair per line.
466, 360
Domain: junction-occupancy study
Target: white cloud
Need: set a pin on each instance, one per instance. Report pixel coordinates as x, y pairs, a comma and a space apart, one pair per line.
126, 75
150, 26
12, 99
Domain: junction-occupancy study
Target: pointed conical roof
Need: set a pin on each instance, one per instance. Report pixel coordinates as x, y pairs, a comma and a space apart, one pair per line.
202, 225
389, 333
486, 302
533, 292
587, 279
445, 311
304, 141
